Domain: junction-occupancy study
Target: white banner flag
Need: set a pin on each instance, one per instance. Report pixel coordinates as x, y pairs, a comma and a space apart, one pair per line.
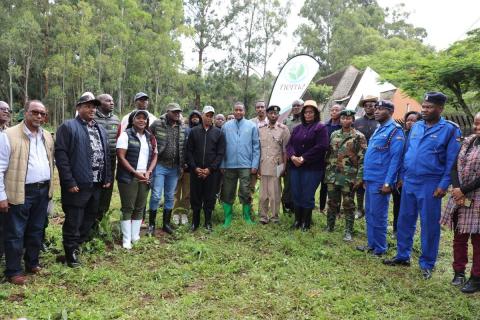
293, 81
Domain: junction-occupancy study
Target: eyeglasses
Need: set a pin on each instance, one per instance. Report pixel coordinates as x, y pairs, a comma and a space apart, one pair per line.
6, 110
38, 113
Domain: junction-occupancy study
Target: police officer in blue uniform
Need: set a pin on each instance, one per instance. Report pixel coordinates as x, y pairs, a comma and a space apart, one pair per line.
381, 166
432, 147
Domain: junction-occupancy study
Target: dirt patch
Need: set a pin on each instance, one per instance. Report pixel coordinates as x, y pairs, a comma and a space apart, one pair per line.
16, 297
167, 295
194, 287
146, 298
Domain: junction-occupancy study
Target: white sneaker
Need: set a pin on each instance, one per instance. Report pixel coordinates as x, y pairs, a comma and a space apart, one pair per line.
176, 219
126, 226
184, 219
136, 224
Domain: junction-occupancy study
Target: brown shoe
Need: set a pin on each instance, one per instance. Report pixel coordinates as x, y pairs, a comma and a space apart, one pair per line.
18, 280
35, 269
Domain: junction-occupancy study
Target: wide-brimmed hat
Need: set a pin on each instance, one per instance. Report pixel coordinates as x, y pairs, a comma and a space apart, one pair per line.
367, 98
310, 103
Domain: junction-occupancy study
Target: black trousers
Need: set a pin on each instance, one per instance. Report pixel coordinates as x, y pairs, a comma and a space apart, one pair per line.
396, 195
81, 211
203, 191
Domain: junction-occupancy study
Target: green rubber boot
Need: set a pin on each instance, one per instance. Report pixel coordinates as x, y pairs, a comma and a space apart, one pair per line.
247, 209
227, 211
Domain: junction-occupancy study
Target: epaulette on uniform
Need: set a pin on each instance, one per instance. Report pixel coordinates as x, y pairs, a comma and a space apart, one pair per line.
453, 123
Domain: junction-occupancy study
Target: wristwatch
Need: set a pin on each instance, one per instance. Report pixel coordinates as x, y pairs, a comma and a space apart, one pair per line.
386, 185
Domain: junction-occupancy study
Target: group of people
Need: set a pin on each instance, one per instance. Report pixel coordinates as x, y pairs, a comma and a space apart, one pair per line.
208, 157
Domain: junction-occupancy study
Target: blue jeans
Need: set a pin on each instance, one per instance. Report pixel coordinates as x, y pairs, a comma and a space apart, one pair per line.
304, 184
164, 180
24, 224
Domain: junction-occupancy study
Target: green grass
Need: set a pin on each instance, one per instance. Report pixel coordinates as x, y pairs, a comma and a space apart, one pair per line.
246, 272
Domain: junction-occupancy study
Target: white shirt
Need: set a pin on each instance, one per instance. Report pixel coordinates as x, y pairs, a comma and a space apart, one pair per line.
124, 123
38, 169
122, 143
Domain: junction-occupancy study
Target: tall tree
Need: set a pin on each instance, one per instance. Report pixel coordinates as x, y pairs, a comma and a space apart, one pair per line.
210, 21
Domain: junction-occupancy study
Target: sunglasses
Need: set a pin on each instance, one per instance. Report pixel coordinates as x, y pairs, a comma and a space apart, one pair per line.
38, 113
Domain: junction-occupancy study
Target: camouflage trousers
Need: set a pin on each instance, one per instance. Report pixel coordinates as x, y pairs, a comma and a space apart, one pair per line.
338, 195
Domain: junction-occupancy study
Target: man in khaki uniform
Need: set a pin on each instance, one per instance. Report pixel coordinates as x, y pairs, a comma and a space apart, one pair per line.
273, 140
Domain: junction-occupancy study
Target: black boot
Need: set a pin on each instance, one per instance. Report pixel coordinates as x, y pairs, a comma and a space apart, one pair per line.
472, 285
459, 278
307, 219
195, 220
71, 257
167, 215
152, 216
298, 218
208, 219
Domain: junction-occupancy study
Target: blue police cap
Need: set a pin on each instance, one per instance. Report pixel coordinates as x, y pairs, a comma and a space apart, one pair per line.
437, 98
385, 104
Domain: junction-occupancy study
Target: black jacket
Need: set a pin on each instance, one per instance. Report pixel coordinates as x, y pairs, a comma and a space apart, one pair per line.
205, 148
366, 126
73, 154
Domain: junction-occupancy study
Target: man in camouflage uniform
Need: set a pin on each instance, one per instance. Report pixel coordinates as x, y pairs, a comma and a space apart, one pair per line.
273, 158
291, 122
344, 171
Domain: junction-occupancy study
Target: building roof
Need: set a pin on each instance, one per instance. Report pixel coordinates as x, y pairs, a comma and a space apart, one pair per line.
350, 85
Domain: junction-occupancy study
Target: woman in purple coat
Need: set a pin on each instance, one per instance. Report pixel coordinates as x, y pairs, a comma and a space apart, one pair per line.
306, 153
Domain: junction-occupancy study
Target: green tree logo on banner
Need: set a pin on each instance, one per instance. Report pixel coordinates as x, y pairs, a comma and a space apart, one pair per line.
296, 72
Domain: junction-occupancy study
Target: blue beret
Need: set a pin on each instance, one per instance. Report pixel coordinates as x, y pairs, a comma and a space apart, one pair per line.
437, 98
273, 108
348, 113
385, 104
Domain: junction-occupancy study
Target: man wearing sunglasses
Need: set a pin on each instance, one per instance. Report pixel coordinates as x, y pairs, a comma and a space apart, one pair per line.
26, 171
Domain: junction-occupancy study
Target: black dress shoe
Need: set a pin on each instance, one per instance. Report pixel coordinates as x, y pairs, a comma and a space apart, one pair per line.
472, 285
459, 279
396, 262
365, 248
208, 226
193, 228
426, 273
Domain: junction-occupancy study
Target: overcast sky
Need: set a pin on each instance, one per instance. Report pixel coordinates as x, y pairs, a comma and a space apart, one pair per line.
446, 21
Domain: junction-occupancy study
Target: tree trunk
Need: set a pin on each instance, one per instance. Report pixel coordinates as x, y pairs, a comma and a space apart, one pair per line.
457, 91
199, 76
245, 93
27, 72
